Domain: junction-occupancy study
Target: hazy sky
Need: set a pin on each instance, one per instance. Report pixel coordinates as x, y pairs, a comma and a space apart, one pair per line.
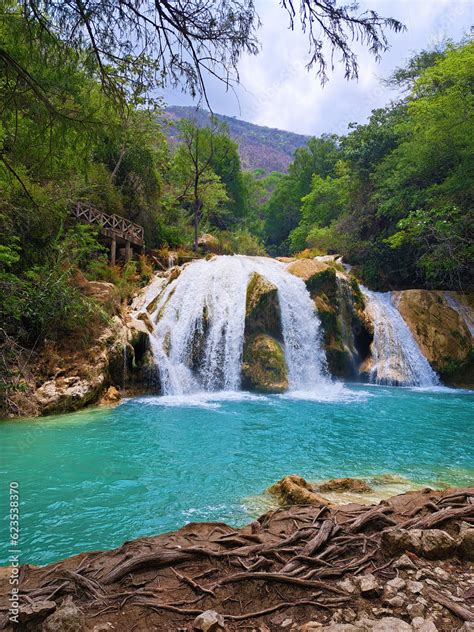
276, 90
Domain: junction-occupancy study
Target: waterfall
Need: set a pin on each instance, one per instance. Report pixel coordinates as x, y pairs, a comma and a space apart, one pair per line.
200, 321
396, 358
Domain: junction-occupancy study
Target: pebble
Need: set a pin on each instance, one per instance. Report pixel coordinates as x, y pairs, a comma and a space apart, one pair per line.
209, 621
442, 574
404, 562
415, 587
397, 584
347, 585
396, 602
369, 586
416, 610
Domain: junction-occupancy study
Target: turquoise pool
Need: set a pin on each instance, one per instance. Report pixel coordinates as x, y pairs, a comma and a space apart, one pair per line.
92, 479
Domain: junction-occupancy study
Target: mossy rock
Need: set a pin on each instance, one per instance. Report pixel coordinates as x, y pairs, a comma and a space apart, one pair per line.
264, 366
262, 310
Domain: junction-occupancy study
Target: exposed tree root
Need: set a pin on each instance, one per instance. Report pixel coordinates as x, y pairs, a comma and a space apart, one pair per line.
289, 559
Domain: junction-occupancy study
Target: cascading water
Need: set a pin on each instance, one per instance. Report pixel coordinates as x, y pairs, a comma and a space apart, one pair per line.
199, 335
396, 358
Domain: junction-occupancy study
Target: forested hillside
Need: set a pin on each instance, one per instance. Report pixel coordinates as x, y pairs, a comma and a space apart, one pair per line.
260, 147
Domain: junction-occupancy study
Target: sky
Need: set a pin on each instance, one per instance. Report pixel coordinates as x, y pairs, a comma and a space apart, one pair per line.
276, 90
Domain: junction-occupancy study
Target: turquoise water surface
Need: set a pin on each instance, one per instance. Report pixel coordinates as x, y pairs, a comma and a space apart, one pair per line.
91, 480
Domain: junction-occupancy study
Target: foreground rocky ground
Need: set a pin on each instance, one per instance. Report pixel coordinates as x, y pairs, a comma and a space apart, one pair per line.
404, 564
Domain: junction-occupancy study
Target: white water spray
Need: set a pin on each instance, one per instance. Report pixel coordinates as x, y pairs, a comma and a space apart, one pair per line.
199, 336
396, 357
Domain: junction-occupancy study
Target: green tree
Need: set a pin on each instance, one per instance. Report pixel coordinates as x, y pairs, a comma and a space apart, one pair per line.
198, 186
283, 209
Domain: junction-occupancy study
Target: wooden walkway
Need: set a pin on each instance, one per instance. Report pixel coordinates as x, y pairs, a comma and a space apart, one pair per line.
116, 230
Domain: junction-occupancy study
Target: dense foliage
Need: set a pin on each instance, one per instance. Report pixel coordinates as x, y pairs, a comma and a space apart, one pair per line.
63, 140
395, 196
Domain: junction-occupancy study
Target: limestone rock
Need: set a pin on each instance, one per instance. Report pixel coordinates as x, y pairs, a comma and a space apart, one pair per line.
391, 624
264, 365
347, 585
404, 562
262, 309
209, 621
145, 318
465, 548
369, 586
396, 602
414, 587
427, 626
68, 393
393, 586
342, 627
416, 610
208, 243
67, 618
36, 611
111, 396
102, 292
430, 543
306, 268
439, 330
345, 485
295, 490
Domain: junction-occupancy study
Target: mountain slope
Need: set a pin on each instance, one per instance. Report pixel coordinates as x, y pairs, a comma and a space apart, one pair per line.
259, 147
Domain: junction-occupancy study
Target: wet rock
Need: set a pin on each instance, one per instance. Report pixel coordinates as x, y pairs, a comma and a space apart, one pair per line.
67, 618
430, 543
345, 485
264, 366
111, 396
145, 318
295, 490
369, 586
262, 309
209, 621
36, 611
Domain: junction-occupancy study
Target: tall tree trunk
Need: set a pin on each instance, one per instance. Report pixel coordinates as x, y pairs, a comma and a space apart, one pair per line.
196, 225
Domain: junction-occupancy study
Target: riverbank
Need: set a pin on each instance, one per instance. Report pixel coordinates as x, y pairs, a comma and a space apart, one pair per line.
404, 564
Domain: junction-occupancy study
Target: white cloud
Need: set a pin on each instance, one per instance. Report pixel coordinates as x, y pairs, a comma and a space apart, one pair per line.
278, 91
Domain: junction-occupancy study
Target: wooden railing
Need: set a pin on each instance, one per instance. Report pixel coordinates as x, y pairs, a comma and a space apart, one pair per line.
111, 225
